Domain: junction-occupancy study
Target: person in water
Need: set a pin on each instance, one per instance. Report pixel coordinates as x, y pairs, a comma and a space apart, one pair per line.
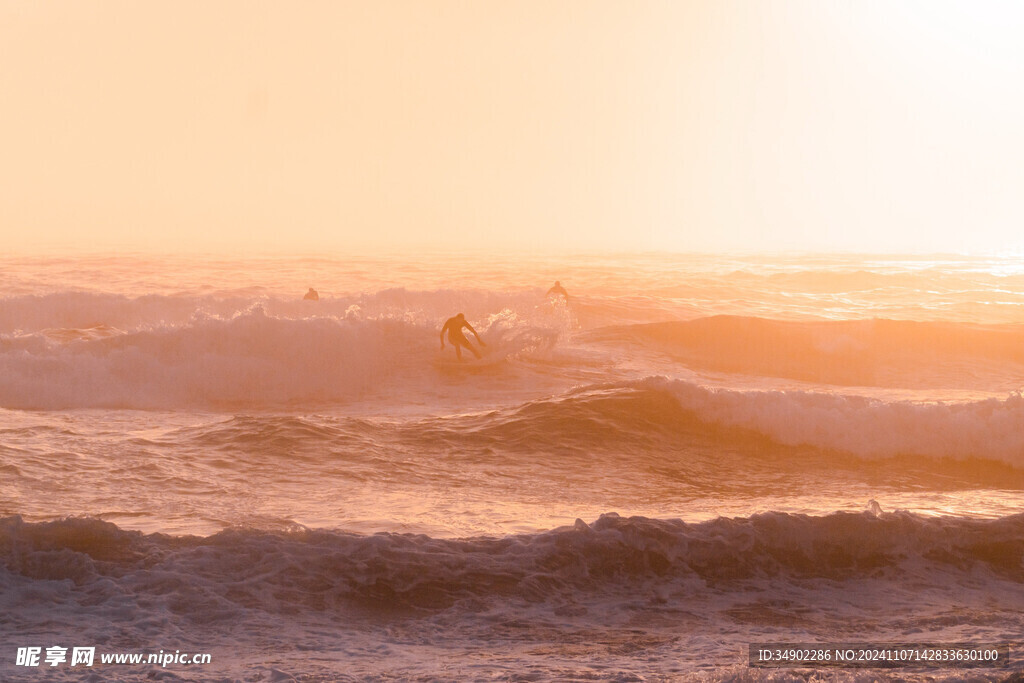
558, 290
453, 326
311, 295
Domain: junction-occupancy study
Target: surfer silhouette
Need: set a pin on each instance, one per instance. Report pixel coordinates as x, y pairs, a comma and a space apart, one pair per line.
453, 326
558, 290
311, 295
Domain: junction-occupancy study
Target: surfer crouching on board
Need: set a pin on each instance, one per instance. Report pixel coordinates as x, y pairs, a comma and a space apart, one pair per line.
453, 326
558, 290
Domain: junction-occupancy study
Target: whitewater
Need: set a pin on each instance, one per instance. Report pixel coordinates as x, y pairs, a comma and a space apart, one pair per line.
689, 454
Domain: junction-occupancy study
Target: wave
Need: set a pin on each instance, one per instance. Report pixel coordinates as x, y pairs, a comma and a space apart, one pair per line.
863, 426
249, 359
661, 418
662, 414
885, 353
304, 569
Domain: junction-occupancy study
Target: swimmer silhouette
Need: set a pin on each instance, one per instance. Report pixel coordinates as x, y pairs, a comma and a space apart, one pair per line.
454, 328
558, 289
311, 295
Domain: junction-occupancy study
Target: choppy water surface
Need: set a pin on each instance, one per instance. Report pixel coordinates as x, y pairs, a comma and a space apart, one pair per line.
676, 462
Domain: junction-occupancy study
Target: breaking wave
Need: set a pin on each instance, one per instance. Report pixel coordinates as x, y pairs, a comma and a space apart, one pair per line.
214, 577
653, 412
248, 359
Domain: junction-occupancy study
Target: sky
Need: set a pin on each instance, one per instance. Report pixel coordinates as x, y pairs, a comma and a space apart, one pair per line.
708, 125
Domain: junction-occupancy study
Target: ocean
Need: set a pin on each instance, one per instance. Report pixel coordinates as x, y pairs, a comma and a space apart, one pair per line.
689, 455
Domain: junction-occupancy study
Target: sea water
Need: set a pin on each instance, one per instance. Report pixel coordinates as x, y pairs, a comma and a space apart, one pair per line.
690, 454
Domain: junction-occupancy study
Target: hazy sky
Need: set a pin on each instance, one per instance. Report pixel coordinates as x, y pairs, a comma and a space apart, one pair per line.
705, 125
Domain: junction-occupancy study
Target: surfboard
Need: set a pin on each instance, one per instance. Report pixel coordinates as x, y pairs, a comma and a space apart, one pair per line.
446, 361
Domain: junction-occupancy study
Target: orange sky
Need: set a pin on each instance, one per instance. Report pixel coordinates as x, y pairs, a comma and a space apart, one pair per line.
703, 125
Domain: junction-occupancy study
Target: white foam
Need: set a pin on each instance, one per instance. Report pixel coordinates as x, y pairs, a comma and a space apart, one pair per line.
867, 427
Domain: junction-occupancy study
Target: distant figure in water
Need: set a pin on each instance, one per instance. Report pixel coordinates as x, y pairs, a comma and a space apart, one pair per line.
311, 295
453, 326
557, 290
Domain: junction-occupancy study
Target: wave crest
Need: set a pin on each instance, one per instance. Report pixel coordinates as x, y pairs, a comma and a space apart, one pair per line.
883, 353
318, 569
248, 359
